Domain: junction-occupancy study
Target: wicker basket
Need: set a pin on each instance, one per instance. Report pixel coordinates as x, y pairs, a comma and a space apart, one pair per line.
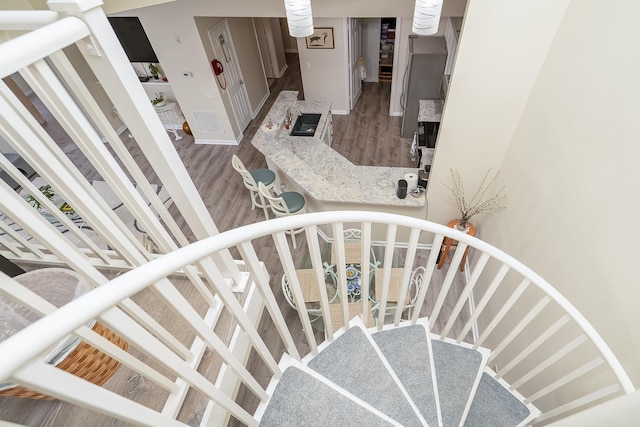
84, 361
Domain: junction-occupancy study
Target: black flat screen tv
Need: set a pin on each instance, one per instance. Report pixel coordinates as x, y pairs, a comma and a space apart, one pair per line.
133, 39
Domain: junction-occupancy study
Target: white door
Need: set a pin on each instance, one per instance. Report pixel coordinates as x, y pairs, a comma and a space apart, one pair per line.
355, 52
230, 80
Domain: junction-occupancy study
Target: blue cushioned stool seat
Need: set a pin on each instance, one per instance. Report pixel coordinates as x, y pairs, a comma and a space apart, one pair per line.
294, 201
263, 175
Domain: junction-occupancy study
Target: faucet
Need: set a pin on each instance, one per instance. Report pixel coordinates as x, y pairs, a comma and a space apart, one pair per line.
288, 118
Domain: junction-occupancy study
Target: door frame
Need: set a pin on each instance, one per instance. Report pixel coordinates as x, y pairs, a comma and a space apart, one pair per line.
396, 79
351, 66
264, 46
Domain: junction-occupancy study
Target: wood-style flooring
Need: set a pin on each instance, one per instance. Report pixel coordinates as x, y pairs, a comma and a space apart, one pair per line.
367, 136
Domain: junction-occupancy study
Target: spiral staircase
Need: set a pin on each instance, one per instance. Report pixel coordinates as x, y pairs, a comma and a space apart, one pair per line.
395, 376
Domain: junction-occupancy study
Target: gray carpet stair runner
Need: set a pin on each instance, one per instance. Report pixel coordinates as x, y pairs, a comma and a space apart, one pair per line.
302, 400
398, 376
494, 405
412, 367
458, 372
352, 362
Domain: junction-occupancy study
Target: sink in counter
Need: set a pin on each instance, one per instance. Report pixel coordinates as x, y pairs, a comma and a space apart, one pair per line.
306, 124
327, 179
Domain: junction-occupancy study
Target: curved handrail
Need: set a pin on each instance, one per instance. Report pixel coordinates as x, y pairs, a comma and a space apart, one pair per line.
29, 343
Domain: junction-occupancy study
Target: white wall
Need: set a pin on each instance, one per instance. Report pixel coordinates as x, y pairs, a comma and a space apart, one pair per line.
548, 93
572, 169
324, 71
500, 52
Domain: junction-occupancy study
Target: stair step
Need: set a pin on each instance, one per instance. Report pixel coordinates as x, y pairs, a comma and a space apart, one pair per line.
303, 399
354, 362
458, 371
496, 406
408, 350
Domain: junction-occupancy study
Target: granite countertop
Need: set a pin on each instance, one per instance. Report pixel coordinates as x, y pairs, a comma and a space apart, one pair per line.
430, 110
320, 170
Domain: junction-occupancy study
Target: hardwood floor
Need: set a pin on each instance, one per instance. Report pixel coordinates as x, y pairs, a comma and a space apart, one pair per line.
367, 136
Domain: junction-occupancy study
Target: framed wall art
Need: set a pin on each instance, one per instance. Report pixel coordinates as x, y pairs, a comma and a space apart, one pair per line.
322, 38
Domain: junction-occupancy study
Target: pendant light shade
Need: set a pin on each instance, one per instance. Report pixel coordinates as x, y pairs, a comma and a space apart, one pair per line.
426, 17
299, 17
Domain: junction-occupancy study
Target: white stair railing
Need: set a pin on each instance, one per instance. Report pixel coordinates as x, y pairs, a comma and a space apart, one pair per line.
34, 49
94, 237
594, 374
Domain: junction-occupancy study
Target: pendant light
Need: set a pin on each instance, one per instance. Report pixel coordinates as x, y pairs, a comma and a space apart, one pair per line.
299, 17
426, 17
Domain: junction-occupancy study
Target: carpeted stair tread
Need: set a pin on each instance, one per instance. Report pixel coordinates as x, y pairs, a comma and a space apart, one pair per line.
352, 362
407, 350
495, 406
457, 369
302, 400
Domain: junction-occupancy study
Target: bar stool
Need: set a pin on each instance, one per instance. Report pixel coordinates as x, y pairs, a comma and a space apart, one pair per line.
285, 204
251, 179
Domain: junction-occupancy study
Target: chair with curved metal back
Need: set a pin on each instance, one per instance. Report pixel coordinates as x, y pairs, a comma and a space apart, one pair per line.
251, 180
413, 286
353, 250
310, 293
284, 204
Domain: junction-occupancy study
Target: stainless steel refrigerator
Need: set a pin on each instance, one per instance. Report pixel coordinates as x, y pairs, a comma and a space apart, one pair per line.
422, 78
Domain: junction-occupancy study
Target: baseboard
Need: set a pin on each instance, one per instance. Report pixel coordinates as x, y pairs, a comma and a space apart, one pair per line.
281, 72
339, 112
216, 141
121, 129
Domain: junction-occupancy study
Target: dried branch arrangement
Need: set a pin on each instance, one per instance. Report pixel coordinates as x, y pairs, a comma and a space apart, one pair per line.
480, 203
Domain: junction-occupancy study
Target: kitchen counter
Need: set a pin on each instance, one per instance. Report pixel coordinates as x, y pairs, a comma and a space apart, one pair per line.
309, 165
430, 110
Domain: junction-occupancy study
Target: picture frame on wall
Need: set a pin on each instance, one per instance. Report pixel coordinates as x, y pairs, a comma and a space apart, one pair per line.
322, 38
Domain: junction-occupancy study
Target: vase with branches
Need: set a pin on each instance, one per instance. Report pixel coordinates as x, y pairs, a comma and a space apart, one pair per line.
485, 200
